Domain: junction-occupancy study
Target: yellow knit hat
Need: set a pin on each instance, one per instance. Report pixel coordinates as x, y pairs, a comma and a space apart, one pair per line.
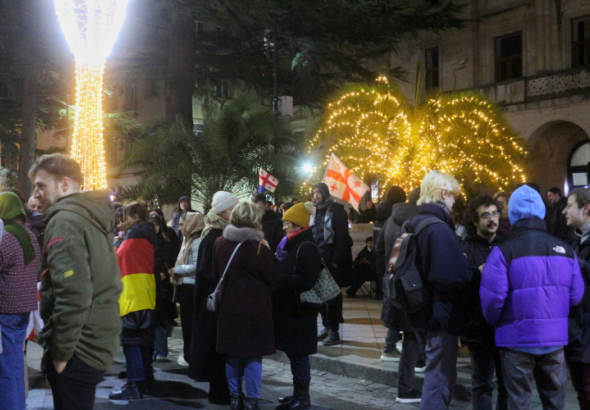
298, 215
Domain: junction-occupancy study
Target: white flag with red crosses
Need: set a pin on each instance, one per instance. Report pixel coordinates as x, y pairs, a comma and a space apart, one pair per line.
266, 181
343, 183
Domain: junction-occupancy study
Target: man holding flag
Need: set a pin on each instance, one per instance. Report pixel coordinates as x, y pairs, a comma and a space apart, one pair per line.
330, 233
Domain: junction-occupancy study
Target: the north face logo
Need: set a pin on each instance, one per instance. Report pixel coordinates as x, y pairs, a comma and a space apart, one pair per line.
559, 249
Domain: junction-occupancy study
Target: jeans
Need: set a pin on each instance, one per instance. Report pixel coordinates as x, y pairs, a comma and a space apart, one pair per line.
160, 342
441, 370
134, 361
392, 337
250, 368
485, 360
300, 369
522, 370
75, 387
186, 299
331, 313
12, 362
412, 351
580, 374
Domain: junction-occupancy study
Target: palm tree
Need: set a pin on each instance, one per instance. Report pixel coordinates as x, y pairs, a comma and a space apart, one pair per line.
375, 130
236, 142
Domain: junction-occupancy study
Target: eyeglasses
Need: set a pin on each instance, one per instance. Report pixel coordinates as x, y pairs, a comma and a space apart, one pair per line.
487, 215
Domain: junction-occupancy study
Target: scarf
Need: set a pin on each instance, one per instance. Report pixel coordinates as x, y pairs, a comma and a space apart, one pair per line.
193, 225
213, 221
10, 209
328, 229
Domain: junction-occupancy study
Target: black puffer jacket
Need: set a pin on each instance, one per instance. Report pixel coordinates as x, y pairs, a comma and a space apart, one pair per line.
578, 348
272, 226
391, 317
477, 249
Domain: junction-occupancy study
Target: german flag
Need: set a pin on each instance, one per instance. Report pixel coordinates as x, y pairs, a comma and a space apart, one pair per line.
135, 255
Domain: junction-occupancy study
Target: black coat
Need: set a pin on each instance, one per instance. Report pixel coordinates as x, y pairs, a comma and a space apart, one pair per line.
165, 252
578, 348
477, 249
558, 224
337, 255
445, 270
296, 325
272, 226
205, 363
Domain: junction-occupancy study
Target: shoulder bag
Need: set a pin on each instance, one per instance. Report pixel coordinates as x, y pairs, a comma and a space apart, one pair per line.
213, 299
324, 290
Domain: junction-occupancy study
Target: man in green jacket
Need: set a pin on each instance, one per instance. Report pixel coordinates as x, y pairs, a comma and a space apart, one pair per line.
81, 282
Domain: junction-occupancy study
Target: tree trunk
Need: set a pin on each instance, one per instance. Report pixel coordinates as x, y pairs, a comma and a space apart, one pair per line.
28, 137
180, 72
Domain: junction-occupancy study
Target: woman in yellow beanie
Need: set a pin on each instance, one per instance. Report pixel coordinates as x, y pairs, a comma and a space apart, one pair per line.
296, 325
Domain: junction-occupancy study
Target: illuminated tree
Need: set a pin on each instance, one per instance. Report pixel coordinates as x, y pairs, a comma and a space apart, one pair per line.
91, 28
376, 131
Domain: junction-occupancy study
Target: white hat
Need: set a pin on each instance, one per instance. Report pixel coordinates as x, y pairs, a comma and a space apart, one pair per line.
223, 200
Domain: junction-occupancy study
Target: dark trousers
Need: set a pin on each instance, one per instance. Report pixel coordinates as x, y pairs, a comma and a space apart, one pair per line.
392, 337
412, 351
580, 374
441, 370
134, 361
522, 370
485, 360
186, 298
75, 387
300, 368
12, 362
332, 313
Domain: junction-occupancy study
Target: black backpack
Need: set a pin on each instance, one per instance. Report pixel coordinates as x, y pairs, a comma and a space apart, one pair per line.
402, 282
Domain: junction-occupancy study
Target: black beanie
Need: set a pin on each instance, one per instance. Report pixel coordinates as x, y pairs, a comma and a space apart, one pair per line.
396, 195
324, 190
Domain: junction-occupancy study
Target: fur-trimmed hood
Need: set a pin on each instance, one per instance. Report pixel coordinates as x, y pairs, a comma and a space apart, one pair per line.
235, 234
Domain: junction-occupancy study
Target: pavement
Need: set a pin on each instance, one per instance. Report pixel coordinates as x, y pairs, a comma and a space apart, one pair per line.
349, 376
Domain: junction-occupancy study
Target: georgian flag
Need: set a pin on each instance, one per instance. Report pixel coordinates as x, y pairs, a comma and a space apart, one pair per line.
266, 181
343, 183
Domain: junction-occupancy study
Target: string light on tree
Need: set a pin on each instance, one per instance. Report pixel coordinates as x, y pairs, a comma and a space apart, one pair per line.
376, 131
91, 28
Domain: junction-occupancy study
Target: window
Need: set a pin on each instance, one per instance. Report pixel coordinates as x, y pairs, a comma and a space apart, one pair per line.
508, 50
431, 56
581, 42
223, 90
579, 166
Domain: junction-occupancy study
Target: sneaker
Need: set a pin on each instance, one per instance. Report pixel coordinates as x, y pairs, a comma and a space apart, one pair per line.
398, 345
129, 391
412, 397
182, 362
161, 359
390, 356
332, 339
421, 369
323, 334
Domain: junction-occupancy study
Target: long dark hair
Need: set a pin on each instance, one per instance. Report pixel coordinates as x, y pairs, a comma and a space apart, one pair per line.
136, 208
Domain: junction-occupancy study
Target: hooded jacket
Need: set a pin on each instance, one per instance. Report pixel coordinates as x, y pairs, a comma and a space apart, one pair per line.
578, 348
530, 280
81, 282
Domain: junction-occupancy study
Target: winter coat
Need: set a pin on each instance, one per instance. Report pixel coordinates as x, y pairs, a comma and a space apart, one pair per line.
445, 270
368, 215
205, 363
391, 317
364, 265
337, 255
244, 323
18, 282
477, 250
189, 270
165, 252
135, 255
295, 325
81, 289
578, 347
528, 285
272, 227
558, 224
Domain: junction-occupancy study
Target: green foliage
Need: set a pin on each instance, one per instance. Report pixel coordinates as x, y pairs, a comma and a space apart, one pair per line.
236, 142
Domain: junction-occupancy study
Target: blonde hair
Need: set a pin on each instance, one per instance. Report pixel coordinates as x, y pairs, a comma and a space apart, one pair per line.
434, 183
246, 215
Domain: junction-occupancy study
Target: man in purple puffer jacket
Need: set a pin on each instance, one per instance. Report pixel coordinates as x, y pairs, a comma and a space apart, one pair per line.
527, 287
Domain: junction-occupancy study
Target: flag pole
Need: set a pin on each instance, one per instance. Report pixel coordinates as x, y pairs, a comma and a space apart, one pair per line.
326, 172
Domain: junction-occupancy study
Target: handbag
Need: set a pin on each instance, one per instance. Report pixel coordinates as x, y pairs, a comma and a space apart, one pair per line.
213, 299
324, 290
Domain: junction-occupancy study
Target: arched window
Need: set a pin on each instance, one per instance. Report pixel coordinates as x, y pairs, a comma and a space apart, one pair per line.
578, 167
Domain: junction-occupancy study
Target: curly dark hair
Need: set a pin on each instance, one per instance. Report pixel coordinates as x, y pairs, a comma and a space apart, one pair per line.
471, 217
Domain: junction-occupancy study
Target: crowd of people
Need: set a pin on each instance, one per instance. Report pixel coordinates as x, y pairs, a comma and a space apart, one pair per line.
507, 279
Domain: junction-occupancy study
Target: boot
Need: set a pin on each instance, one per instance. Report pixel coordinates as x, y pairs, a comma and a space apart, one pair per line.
129, 391
237, 402
332, 339
323, 335
251, 403
301, 399
286, 399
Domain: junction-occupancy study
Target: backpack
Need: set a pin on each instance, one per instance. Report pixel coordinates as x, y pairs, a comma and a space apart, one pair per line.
402, 282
